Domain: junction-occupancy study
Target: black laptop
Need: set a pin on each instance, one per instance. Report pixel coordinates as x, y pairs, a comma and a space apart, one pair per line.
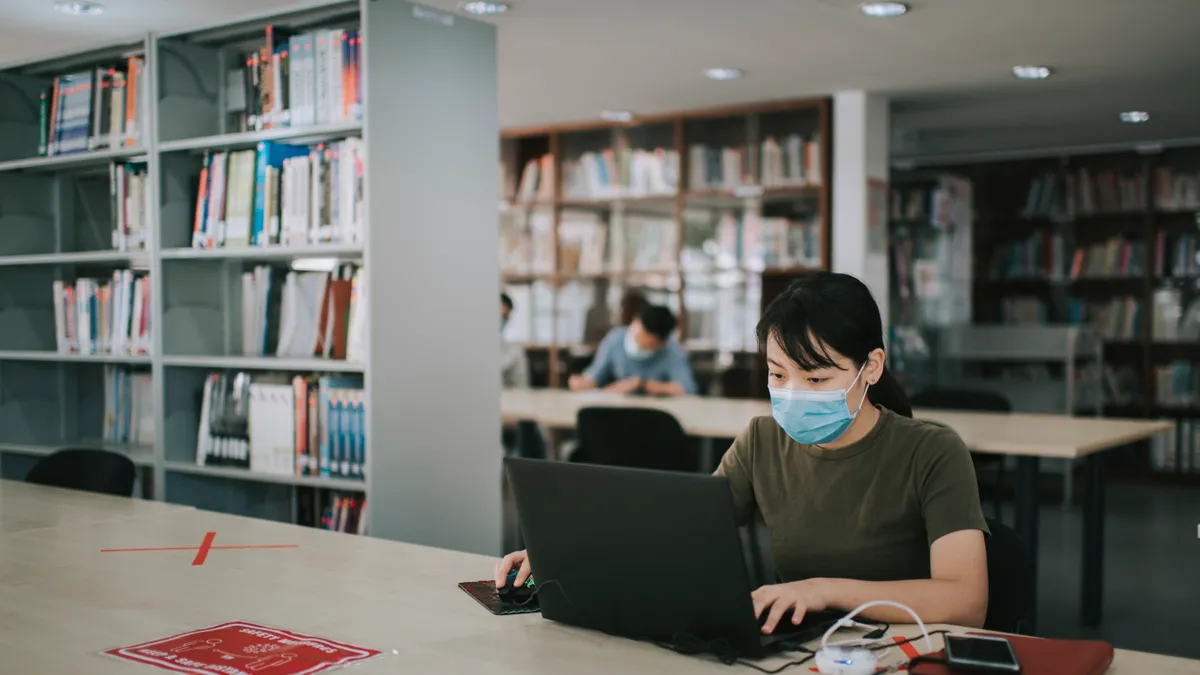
643, 554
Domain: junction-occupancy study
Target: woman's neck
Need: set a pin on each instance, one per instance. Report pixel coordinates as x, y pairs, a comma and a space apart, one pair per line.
862, 425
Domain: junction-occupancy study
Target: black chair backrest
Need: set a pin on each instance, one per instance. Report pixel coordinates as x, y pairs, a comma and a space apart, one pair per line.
88, 469
961, 399
1010, 579
530, 443
640, 438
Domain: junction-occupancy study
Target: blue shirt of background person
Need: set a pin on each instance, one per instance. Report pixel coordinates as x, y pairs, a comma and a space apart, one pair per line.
643, 357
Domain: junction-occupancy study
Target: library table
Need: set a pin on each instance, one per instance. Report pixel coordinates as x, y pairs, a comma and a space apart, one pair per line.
65, 603
1027, 437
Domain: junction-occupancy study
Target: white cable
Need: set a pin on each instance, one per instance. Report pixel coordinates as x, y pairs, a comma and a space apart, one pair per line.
847, 622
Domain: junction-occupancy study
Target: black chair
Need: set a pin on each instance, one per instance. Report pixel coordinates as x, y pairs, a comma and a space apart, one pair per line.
640, 438
1010, 579
977, 401
87, 469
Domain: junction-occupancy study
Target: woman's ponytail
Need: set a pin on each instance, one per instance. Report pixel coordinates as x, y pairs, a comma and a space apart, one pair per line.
888, 393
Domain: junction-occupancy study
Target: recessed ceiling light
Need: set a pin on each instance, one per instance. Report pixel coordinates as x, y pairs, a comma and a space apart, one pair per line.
1031, 72
723, 73
883, 10
616, 115
1135, 116
482, 8
79, 8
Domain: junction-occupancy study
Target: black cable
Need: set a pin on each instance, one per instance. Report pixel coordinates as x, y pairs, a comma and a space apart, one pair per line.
889, 645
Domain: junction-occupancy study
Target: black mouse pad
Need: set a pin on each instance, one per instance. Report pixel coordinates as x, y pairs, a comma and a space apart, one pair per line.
485, 593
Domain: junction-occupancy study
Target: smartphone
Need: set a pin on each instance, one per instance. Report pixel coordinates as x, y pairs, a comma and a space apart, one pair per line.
980, 653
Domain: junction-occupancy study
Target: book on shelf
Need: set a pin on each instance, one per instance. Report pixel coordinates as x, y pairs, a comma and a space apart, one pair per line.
582, 237
303, 314
128, 407
527, 242
1114, 257
1177, 384
713, 168
335, 511
1023, 310
756, 243
131, 206
93, 316
645, 243
792, 162
305, 426
1179, 451
298, 79
279, 194
96, 109
1176, 191
537, 180
1082, 192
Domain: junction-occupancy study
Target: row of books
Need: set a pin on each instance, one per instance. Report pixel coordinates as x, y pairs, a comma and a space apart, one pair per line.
298, 80
1177, 384
588, 243
93, 109
1082, 193
342, 512
308, 426
1044, 255
1176, 191
133, 225
1177, 452
625, 173
1173, 319
790, 163
128, 406
303, 314
94, 316
281, 194
537, 180
754, 243
1115, 319
1176, 256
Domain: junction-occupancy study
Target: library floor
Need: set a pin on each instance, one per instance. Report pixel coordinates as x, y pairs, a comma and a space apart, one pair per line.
1152, 569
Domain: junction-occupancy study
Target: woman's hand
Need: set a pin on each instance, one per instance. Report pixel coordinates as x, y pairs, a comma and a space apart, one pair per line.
507, 563
799, 596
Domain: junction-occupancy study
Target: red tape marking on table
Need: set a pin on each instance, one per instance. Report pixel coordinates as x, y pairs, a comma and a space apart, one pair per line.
240, 648
201, 550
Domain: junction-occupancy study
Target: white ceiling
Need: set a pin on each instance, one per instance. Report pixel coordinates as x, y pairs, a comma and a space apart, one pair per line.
946, 64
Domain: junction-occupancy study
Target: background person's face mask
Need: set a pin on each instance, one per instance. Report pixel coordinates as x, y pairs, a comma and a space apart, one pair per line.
634, 350
815, 417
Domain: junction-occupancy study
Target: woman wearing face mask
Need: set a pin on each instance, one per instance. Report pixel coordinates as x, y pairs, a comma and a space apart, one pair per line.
861, 501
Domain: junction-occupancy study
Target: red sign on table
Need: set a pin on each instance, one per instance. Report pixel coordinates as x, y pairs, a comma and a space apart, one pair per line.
240, 648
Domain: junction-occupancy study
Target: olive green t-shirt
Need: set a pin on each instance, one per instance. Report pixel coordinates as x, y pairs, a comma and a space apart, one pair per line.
868, 511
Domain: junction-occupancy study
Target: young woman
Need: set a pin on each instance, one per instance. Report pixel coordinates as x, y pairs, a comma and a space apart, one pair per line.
861, 501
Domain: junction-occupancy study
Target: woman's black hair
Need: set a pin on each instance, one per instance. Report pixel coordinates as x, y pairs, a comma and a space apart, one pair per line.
829, 311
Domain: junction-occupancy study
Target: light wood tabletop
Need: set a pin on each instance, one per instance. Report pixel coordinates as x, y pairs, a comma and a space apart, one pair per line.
1023, 434
65, 602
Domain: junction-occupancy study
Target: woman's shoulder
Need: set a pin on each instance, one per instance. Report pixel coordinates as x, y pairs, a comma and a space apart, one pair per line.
925, 436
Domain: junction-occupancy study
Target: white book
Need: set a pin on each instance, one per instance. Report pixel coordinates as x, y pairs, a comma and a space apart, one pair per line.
249, 314
337, 40
321, 76
60, 317
203, 440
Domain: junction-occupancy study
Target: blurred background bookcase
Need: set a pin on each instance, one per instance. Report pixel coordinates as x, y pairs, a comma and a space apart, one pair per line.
1107, 241
202, 228
711, 213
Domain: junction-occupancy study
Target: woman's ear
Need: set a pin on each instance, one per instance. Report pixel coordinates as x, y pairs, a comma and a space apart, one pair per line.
875, 362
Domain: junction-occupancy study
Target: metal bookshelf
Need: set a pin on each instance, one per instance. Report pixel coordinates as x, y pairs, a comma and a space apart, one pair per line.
428, 258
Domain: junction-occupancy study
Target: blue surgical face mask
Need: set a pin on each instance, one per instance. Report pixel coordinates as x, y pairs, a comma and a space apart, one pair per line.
633, 349
815, 417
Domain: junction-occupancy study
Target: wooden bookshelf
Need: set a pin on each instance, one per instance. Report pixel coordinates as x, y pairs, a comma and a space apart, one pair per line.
1109, 240
59, 224
676, 206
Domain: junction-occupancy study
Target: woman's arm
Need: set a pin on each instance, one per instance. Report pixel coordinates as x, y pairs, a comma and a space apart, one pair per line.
956, 593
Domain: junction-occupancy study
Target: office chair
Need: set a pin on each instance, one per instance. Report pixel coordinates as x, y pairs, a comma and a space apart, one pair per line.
973, 400
86, 469
640, 438
1010, 579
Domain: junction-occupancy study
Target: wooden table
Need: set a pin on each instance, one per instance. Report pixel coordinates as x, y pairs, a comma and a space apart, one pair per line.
1027, 437
64, 603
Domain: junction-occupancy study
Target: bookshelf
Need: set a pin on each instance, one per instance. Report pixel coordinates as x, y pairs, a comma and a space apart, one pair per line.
186, 266
709, 212
1107, 240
